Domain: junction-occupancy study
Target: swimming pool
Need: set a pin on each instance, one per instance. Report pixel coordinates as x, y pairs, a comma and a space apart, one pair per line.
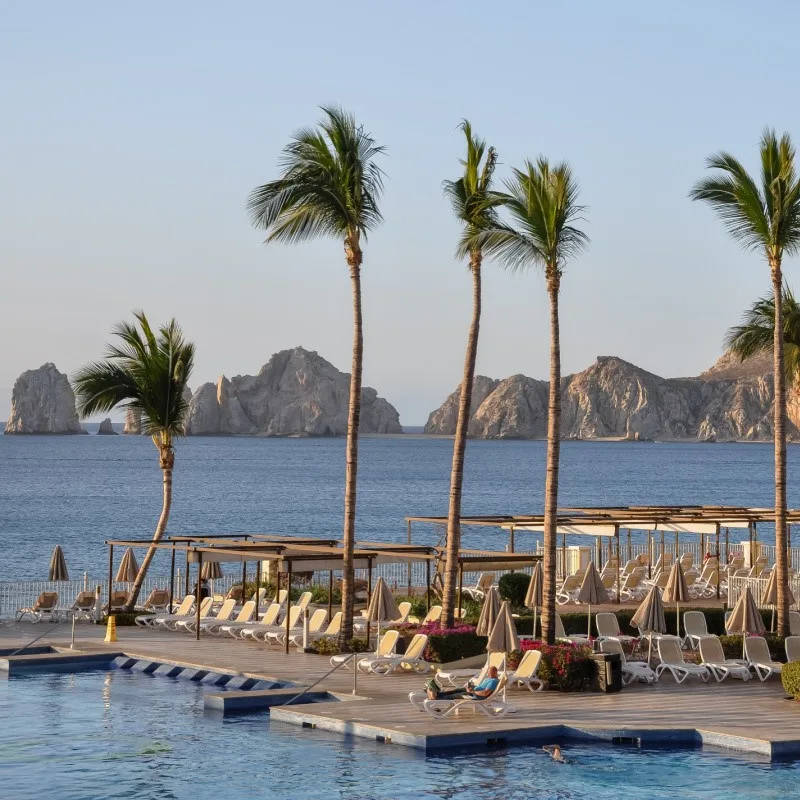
119, 734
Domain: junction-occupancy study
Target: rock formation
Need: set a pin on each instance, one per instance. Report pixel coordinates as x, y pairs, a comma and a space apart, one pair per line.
106, 428
615, 399
297, 393
42, 401
133, 422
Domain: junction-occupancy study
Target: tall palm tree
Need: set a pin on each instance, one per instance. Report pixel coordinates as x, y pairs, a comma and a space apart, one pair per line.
756, 333
330, 186
764, 218
148, 373
542, 202
474, 206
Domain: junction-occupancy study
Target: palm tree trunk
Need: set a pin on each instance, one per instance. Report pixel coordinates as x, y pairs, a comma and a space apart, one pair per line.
354, 259
459, 449
779, 378
167, 463
551, 478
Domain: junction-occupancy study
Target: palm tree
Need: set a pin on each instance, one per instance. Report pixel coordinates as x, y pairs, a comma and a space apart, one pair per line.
330, 186
756, 333
764, 218
542, 201
473, 204
147, 373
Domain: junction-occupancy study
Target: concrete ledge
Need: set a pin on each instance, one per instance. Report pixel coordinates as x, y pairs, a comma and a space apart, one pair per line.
145, 666
56, 662
168, 671
239, 702
215, 679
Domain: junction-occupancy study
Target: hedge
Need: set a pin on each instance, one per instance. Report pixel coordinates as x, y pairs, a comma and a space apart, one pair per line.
513, 587
732, 646
790, 677
564, 667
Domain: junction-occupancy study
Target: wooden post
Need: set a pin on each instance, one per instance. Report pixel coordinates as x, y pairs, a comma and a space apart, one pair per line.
330, 594
186, 577
663, 551
719, 560
408, 523
258, 588
244, 578
649, 554
616, 536
197, 601
428, 584
629, 544
369, 599
511, 540
288, 604
110, 574
460, 583
172, 581
727, 549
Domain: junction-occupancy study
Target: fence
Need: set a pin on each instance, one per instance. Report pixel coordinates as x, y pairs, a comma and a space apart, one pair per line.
757, 585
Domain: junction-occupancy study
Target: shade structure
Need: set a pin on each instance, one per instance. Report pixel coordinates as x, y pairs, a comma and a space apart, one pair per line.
534, 597
592, 591
489, 612
770, 596
128, 568
745, 617
58, 566
649, 617
503, 636
212, 571
676, 591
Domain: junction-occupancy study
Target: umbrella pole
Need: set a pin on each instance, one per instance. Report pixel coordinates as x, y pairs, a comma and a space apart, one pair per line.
649, 648
678, 619
772, 623
535, 611
589, 623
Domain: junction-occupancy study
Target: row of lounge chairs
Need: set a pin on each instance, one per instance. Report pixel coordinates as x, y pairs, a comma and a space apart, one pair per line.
46, 606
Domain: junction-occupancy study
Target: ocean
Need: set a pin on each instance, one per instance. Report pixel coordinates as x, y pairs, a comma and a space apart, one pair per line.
78, 491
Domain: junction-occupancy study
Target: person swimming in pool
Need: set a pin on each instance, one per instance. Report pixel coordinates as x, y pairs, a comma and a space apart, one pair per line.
554, 751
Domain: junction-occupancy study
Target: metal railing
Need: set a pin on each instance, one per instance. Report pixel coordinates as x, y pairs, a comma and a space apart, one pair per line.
757, 585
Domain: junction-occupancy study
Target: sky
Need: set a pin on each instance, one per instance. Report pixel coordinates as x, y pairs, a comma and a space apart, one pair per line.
133, 133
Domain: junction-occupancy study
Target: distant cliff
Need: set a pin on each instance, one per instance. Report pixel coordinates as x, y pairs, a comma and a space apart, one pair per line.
42, 401
297, 393
616, 399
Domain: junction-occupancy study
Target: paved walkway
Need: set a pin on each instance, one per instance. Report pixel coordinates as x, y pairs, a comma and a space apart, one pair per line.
751, 716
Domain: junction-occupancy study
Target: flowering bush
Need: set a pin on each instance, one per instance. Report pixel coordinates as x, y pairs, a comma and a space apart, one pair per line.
447, 644
564, 667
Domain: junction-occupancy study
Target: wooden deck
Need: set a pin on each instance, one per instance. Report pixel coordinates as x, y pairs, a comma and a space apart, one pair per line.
752, 717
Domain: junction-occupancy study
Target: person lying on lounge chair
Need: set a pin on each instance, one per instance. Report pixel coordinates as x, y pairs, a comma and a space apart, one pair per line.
483, 689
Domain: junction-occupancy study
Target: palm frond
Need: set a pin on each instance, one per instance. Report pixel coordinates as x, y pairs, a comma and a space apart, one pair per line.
330, 183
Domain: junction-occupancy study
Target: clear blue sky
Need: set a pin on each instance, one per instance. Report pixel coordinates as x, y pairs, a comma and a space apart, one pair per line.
131, 136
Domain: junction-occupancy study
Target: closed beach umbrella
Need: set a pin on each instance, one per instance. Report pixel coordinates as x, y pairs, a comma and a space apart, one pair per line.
676, 591
58, 566
770, 597
382, 606
128, 568
592, 591
745, 617
212, 571
534, 597
503, 636
489, 612
649, 617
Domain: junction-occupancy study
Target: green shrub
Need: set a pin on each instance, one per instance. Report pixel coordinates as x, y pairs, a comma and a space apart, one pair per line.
124, 619
357, 645
563, 668
319, 595
790, 677
454, 645
419, 604
326, 645
513, 587
732, 646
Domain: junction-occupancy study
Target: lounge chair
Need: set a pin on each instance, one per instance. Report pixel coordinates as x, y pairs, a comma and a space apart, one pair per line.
631, 670
569, 590
632, 587
492, 706
157, 601
525, 673
719, 666
82, 608
573, 638
119, 600
267, 622
759, 658
792, 645
794, 623
608, 627
434, 615
261, 631
411, 660
334, 629
695, 628
46, 606
182, 611
459, 677
385, 649
228, 627
671, 657
170, 621
225, 612
315, 623
478, 591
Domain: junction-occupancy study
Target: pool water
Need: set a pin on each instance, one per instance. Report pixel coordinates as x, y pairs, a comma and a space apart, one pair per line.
126, 735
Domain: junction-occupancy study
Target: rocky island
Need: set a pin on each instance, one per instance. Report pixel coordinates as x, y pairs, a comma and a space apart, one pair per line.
616, 399
296, 393
43, 402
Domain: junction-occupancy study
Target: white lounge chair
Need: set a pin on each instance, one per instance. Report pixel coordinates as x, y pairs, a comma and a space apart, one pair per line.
608, 627
411, 660
385, 649
794, 623
478, 591
568, 591
226, 611
182, 611
82, 608
695, 628
170, 621
46, 606
525, 673
268, 620
671, 657
759, 658
231, 627
459, 677
631, 670
492, 706
792, 645
334, 629
573, 638
259, 631
719, 666
316, 621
